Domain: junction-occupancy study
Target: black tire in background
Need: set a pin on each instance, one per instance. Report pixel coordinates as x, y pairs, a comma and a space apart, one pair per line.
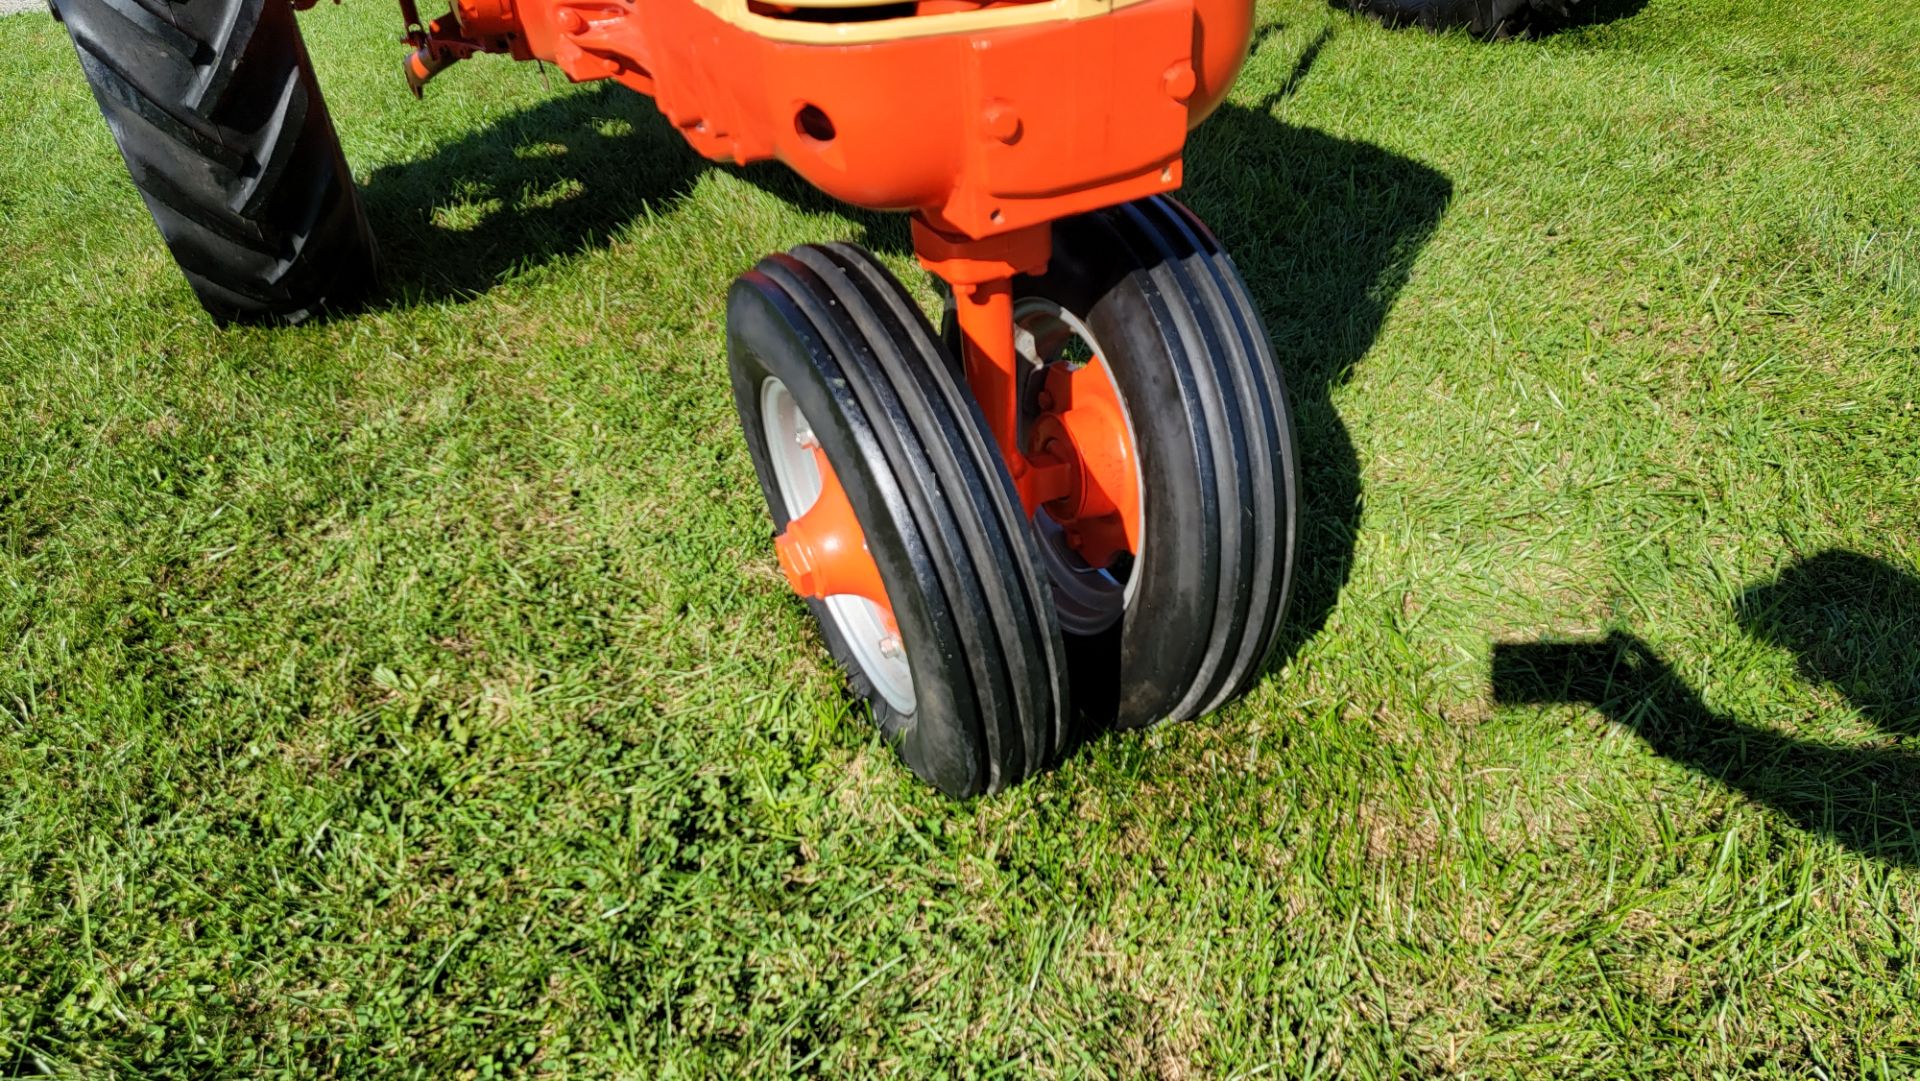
216, 111
1482, 18
989, 686
1213, 436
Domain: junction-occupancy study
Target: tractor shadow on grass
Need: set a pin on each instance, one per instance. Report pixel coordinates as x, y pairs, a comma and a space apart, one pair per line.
552, 181
542, 184
1854, 624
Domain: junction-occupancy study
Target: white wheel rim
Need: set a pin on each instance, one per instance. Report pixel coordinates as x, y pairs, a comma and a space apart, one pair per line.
862, 624
1088, 599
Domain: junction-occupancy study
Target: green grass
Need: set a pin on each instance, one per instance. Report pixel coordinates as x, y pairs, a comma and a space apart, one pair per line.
415, 695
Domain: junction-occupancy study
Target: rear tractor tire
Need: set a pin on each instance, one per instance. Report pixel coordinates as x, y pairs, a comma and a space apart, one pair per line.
1481, 18
216, 111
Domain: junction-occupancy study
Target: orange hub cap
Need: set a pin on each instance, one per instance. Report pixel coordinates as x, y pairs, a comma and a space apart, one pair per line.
824, 551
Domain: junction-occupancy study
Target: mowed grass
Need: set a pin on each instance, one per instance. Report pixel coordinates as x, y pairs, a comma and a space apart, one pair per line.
415, 695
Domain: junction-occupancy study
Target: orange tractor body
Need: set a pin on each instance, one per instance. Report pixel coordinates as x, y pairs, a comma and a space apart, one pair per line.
984, 120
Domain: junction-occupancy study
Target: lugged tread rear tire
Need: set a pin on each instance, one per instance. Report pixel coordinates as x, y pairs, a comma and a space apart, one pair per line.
1482, 18
216, 111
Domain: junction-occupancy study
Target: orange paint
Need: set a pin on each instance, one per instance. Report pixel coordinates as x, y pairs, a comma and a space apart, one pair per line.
824, 551
1096, 492
981, 132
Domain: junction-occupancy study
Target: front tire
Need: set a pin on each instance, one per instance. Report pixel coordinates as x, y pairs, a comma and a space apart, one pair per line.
216, 111
826, 348
1204, 596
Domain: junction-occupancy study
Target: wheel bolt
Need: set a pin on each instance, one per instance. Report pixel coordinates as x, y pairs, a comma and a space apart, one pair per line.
1044, 400
806, 439
890, 646
1001, 121
571, 21
1179, 81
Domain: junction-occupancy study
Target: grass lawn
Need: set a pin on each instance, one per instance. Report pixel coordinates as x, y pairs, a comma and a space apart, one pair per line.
415, 695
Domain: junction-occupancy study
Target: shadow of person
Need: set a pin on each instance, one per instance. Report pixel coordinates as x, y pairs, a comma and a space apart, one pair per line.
1861, 641
1854, 623
1497, 19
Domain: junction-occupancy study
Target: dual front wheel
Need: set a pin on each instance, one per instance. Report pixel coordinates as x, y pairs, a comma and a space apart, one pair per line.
981, 630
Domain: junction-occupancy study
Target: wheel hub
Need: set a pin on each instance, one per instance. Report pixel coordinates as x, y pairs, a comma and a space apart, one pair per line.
1081, 478
823, 551
1082, 432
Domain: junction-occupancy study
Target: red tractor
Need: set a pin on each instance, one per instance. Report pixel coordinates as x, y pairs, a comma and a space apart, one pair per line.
1082, 489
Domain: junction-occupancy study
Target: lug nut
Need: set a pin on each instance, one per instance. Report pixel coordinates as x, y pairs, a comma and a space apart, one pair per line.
806, 439
571, 21
890, 646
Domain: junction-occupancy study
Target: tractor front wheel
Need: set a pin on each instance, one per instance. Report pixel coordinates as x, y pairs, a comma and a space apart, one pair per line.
216, 111
896, 520
1142, 350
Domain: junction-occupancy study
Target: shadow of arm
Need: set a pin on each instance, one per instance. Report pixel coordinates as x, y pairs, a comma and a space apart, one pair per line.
1866, 798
